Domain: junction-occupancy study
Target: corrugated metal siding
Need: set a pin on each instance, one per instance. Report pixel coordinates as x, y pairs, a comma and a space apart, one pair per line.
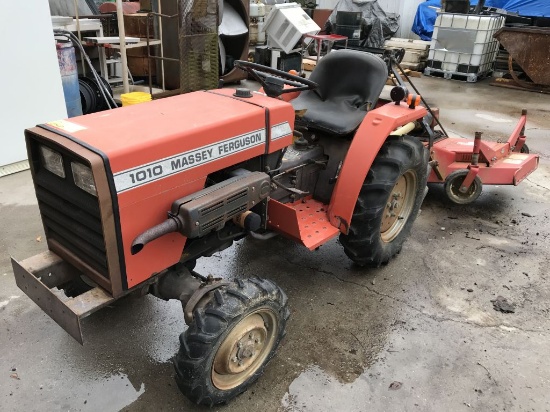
407, 10
14, 168
327, 4
66, 8
390, 6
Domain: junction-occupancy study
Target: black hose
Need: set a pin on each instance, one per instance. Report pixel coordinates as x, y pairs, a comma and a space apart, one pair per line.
84, 55
479, 6
422, 98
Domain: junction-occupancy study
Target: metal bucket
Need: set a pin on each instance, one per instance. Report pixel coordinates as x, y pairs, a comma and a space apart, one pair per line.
530, 48
69, 78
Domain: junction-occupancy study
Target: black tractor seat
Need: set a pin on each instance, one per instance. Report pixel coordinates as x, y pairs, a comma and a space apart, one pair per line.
350, 83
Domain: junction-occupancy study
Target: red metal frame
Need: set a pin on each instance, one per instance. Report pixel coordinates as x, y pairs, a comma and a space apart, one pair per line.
140, 135
499, 163
329, 38
304, 221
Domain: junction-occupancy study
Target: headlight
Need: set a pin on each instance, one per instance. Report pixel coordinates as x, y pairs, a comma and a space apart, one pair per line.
52, 161
84, 178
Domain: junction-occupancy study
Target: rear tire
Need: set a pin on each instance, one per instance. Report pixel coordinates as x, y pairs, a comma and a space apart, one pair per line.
232, 338
388, 203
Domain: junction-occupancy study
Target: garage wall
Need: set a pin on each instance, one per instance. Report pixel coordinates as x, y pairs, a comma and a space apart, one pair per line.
407, 10
31, 90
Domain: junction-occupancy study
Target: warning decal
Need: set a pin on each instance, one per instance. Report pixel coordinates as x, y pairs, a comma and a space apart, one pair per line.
66, 126
280, 130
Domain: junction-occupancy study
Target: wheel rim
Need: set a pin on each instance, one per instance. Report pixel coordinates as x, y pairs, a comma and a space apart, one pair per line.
245, 349
455, 189
399, 206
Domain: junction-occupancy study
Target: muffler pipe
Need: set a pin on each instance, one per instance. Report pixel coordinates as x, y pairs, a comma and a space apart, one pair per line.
172, 224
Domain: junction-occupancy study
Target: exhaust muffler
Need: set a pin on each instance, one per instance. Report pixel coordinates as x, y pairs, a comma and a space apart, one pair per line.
209, 209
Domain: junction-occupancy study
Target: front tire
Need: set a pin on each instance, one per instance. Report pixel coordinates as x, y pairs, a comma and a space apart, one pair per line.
232, 338
388, 203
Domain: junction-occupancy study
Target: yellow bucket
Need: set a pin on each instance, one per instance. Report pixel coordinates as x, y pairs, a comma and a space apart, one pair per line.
129, 99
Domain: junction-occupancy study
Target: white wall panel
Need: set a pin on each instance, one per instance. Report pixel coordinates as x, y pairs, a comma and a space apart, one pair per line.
31, 82
390, 6
407, 12
326, 4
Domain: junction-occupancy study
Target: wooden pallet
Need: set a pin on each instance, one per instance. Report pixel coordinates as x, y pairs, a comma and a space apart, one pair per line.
416, 52
416, 45
308, 64
465, 77
418, 67
511, 84
410, 73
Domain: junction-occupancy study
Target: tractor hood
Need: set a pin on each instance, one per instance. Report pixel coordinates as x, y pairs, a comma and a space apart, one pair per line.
143, 157
184, 137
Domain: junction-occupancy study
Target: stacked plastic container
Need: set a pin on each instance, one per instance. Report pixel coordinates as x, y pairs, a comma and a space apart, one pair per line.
257, 23
463, 46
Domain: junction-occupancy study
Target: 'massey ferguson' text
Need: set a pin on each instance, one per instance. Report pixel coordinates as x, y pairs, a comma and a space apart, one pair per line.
150, 172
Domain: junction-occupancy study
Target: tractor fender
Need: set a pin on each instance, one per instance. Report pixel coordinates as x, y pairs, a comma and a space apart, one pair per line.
377, 125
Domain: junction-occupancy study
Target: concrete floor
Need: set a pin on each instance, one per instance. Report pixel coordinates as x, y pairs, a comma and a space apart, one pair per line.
425, 320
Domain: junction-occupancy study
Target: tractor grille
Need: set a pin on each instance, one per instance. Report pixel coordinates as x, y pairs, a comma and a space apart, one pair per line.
71, 216
467, 157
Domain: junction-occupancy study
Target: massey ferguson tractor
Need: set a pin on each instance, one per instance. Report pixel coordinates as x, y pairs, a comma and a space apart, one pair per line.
131, 198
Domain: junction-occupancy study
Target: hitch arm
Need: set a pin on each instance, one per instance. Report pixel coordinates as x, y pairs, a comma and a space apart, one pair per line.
473, 168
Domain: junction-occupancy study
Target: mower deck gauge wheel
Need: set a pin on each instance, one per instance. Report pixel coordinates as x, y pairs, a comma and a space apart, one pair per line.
453, 184
524, 149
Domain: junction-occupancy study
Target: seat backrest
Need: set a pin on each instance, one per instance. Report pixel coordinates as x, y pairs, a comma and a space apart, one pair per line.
355, 76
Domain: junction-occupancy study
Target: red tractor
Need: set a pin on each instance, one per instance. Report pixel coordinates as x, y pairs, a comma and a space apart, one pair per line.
131, 198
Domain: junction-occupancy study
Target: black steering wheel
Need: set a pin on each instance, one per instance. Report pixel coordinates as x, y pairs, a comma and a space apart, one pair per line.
273, 81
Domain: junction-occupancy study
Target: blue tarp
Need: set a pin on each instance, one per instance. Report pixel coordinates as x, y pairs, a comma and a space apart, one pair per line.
424, 20
425, 15
531, 8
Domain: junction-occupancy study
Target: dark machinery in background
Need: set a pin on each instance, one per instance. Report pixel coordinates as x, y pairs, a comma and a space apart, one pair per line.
527, 47
284, 61
238, 49
198, 44
91, 94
